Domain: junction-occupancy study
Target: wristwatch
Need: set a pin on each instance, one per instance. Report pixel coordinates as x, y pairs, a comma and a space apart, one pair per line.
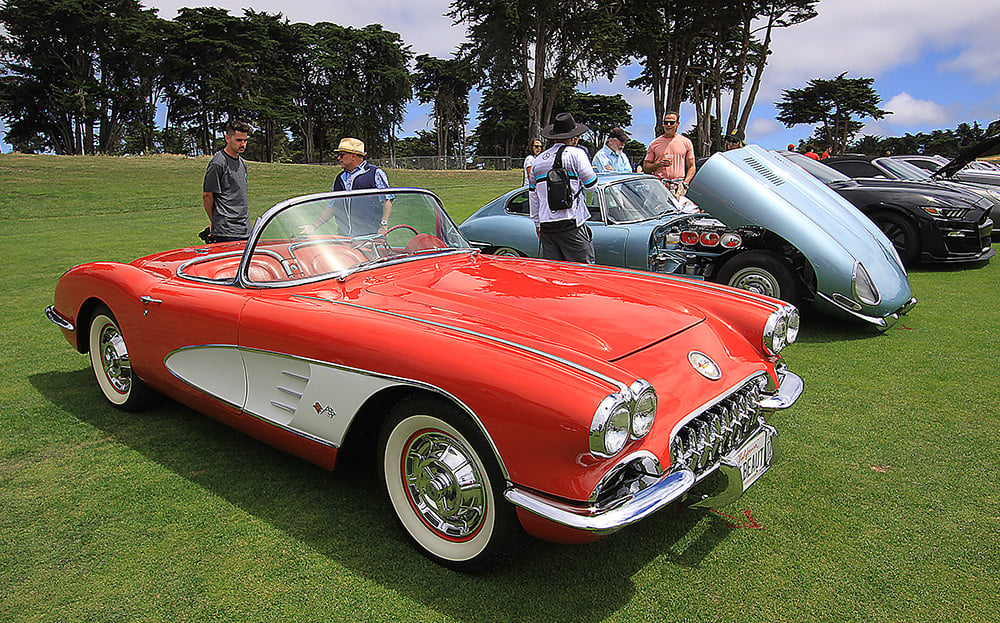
384, 223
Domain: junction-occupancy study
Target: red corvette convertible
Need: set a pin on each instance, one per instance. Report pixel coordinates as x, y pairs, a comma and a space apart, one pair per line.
502, 394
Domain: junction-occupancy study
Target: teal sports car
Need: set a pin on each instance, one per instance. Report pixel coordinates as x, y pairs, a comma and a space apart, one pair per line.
760, 224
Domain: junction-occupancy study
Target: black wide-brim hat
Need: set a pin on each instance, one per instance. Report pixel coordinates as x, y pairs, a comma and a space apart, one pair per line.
565, 126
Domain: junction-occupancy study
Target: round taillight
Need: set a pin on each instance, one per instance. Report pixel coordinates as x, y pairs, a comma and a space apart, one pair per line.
710, 239
689, 237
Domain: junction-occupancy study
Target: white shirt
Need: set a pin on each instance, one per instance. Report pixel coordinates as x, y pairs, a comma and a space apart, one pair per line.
582, 175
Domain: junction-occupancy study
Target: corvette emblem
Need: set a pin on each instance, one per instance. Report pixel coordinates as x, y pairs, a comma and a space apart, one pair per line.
704, 365
324, 409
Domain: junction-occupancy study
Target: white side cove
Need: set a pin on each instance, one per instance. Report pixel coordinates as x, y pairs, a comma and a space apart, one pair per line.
308, 397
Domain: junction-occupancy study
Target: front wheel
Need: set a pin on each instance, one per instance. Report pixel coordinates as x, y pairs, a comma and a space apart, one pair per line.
901, 233
506, 252
444, 485
762, 272
112, 366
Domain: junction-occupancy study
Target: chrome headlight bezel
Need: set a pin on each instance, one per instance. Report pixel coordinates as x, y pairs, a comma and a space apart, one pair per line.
863, 287
621, 417
781, 329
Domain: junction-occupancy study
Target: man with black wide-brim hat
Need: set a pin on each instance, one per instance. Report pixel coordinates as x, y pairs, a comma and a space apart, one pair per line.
562, 230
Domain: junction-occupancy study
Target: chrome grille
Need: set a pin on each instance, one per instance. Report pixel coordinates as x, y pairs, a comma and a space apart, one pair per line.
701, 443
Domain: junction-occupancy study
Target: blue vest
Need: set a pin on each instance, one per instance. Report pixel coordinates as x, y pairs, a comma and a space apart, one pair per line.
361, 215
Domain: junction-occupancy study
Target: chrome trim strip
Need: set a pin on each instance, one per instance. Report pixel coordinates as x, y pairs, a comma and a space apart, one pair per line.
58, 319
604, 521
622, 387
283, 407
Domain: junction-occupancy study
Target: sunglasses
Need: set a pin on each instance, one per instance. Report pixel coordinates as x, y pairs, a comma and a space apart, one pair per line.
668, 122
538, 146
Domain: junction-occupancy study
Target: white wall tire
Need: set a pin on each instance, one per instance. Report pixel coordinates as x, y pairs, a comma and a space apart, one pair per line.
111, 364
444, 486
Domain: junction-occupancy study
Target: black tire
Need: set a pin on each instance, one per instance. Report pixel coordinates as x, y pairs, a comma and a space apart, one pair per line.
445, 486
110, 362
506, 252
901, 233
762, 272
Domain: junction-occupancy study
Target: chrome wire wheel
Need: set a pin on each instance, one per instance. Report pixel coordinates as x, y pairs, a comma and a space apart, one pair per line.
112, 366
444, 485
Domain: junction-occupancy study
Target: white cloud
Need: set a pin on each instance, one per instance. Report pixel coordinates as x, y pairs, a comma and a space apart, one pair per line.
909, 111
869, 38
421, 23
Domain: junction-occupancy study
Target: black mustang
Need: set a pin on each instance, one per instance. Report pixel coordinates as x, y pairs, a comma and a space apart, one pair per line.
926, 222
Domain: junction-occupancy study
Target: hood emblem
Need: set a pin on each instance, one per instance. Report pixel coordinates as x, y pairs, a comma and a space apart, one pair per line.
704, 365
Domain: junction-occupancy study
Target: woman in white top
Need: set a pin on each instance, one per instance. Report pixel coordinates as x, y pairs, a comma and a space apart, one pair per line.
534, 148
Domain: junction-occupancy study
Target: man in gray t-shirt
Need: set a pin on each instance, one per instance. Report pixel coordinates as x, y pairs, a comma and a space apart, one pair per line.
224, 193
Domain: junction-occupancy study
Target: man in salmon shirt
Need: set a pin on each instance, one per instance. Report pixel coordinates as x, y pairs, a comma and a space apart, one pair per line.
671, 156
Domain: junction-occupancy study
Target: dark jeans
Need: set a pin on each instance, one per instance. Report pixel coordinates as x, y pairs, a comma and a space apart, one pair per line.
228, 238
567, 241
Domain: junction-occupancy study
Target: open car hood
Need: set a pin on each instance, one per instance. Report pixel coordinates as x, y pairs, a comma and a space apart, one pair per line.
967, 155
546, 305
752, 186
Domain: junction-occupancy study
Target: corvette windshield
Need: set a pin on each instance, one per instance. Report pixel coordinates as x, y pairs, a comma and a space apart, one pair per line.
336, 234
638, 199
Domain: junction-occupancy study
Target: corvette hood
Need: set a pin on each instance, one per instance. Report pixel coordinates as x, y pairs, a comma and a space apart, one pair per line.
539, 304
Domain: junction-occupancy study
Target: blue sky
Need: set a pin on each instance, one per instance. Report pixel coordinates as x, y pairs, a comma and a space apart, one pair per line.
935, 64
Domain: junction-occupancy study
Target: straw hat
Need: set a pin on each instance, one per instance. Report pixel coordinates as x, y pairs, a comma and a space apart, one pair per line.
351, 146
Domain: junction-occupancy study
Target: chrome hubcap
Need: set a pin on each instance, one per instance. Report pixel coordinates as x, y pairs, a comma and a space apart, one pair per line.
753, 280
444, 484
114, 359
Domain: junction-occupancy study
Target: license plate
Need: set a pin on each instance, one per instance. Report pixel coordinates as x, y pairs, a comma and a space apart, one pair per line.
752, 458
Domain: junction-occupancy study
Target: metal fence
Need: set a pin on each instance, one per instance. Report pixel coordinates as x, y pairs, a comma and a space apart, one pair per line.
491, 163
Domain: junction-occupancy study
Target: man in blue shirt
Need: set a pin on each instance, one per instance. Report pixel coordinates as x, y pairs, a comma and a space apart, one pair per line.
357, 215
611, 158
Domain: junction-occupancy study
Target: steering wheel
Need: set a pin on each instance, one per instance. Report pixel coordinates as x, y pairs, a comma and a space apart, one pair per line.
371, 240
402, 226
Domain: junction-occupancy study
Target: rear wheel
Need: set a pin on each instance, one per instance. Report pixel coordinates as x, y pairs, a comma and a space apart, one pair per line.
445, 486
901, 233
507, 252
112, 366
762, 272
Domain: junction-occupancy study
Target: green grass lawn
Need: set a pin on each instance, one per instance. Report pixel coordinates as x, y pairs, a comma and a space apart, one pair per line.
884, 505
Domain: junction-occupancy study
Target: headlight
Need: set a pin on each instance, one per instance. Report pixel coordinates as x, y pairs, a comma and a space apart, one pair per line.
643, 408
622, 416
944, 212
781, 329
863, 286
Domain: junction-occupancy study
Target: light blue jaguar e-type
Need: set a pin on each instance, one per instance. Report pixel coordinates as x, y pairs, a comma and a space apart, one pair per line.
765, 226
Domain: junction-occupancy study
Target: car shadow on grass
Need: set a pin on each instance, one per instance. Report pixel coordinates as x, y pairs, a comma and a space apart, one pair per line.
344, 516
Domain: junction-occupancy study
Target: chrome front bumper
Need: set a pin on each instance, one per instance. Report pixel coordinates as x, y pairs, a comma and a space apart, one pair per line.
667, 488
879, 322
58, 319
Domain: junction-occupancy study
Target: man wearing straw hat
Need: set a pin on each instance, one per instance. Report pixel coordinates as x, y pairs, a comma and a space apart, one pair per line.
563, 233
362, 215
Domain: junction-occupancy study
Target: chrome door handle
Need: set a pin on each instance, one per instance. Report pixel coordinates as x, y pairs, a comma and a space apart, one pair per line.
146, 300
